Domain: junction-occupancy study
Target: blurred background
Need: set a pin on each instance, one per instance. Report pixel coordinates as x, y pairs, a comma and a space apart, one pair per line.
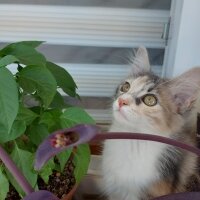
94, 39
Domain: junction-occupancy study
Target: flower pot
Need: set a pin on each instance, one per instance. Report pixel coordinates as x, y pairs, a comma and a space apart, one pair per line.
71, 193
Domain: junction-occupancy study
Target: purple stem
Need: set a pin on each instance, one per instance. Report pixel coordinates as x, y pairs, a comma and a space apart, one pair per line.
142, 136
21, 180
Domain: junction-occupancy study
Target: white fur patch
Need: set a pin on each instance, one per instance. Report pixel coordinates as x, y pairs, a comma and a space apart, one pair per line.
129, 166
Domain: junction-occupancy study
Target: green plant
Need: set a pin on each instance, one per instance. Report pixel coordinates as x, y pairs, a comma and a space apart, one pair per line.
64, 139
23, 127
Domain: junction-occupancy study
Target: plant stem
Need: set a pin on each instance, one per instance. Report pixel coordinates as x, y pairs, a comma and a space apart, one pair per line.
11, 166
148, 137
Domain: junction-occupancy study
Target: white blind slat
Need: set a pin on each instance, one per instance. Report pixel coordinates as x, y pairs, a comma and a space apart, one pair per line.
87, 26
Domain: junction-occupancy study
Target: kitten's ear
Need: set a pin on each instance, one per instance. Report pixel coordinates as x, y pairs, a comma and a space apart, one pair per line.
185, 90
140, 61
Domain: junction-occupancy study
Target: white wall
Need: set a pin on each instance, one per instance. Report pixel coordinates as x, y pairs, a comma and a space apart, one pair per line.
183, 51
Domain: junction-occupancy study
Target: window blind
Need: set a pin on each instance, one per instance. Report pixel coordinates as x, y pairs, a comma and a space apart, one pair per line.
87, 26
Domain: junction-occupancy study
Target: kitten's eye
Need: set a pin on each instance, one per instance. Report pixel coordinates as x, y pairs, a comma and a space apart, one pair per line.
125, 87
150, 100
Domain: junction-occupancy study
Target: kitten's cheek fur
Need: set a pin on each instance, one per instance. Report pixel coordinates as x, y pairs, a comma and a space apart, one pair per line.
115, 106
120, 116
122, 113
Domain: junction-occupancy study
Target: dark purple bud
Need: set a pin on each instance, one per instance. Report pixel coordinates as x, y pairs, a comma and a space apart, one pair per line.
41, 195
63, 139
181, 196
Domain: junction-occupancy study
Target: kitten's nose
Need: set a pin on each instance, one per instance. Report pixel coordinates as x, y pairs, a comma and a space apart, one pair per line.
123, 102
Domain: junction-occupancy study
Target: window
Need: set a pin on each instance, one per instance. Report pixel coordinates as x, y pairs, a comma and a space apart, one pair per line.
92, 39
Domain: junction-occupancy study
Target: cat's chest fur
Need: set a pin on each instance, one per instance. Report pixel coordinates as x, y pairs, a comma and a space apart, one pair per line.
130, 165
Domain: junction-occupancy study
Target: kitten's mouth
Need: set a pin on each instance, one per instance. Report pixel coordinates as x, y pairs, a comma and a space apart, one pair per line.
121, 111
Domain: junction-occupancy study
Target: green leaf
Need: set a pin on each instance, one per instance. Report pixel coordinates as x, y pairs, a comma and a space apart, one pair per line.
24, 161
26, 115
8, 101
33, 44
63, 158
73, 116
52, 119
25, 53
36, 109
6, 60
18, 129
4, 185
34, 78
63, 78
47, 170
81, 161
25, 143
58, 101
37, 133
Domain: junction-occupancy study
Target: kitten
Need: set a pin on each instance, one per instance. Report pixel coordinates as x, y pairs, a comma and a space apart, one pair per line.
145, 103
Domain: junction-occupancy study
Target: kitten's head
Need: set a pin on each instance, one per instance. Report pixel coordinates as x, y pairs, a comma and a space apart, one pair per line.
147, 103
